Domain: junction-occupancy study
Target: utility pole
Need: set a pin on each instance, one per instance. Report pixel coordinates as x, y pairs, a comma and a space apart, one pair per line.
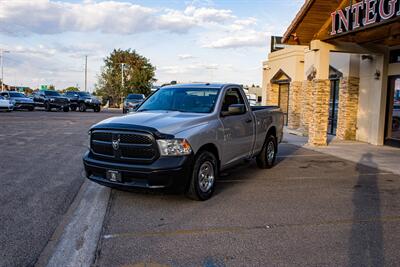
122, 75
85, 73
2, 70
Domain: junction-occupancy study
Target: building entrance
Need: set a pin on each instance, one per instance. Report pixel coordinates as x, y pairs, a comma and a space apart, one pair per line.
393, 112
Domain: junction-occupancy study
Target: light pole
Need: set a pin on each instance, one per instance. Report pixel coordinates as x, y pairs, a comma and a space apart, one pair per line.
85, 73
2, 70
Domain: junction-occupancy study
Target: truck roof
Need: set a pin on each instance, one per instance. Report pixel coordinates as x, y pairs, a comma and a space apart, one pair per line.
201, 85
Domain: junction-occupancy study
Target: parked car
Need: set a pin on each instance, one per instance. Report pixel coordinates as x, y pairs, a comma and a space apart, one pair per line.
51, 99
6, 104
131, 102
183, 135
396, 117
83, 101
19, 100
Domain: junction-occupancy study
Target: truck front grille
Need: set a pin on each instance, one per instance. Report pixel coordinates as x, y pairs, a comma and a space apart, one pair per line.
120, 146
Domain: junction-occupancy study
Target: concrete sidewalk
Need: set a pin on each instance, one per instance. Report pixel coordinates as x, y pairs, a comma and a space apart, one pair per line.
383, 157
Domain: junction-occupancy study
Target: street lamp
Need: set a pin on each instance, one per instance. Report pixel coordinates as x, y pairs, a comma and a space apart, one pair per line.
2, 71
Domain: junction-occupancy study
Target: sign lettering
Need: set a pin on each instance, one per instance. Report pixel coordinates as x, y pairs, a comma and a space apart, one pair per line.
364, 13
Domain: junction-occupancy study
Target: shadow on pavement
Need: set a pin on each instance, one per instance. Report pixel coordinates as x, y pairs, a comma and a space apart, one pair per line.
366, 240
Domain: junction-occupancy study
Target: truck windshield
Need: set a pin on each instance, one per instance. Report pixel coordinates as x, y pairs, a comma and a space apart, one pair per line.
194, 100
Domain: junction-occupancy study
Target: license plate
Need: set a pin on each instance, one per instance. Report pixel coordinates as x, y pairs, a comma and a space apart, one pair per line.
114, 176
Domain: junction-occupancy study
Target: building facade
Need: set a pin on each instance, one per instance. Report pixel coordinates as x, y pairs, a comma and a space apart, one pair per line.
340, 73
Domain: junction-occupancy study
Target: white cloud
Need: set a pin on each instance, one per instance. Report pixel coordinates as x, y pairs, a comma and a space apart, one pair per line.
185, 56
250, 38
51, 17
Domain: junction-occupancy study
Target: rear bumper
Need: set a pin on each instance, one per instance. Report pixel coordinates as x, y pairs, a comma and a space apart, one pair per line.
163, 173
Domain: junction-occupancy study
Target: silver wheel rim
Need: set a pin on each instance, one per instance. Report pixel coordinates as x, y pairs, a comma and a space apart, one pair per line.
270, 152
206, 176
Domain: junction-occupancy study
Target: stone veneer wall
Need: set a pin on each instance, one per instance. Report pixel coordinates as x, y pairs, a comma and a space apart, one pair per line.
348, 108
320, 112
306, 106
294, 105
272, 94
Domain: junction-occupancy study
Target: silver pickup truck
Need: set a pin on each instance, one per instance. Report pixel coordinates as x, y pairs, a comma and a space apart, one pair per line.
183, 135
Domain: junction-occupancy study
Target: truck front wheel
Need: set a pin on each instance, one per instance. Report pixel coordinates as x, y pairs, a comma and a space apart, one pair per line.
267, 157
203, 178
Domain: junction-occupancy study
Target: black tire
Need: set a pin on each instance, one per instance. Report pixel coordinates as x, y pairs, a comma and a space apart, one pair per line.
66, 109
82, 107
267, 157
73, 108
97, 109
31, 108
47, 106
123, 111
202, 189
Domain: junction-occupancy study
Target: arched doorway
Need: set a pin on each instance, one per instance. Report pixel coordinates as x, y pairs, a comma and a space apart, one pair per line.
283, 81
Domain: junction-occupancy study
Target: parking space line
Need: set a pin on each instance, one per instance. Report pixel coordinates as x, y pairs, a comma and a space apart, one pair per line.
241, 229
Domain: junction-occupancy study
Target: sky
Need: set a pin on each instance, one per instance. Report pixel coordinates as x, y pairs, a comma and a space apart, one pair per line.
187, 40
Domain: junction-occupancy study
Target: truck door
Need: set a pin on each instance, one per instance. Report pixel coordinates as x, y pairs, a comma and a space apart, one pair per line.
238, 130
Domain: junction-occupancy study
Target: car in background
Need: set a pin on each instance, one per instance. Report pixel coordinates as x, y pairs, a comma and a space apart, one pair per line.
131, 102
252, 99
83, 101
19, 100
6, 104
50, 99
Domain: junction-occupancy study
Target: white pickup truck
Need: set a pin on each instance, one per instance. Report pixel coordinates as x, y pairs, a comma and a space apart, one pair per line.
183, 134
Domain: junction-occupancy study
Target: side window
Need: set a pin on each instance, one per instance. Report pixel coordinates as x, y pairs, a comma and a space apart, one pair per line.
232, 96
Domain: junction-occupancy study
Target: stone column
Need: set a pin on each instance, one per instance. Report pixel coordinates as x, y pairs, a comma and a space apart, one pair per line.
294, 105
272, 94
306, 106
348, 108
320, 112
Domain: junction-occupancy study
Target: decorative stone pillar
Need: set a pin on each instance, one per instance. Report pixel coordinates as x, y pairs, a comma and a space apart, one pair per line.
294, 105
320, 112
348, 108
273, 94
306, 106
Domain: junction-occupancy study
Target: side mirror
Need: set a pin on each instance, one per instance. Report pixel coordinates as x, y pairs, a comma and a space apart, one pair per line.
234, 109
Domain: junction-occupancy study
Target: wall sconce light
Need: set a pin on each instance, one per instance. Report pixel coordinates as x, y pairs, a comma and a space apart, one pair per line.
377, 75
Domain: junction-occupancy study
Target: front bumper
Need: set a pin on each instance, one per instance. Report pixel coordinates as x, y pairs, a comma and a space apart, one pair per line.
58, 105
8, 108
24, 105
165, 172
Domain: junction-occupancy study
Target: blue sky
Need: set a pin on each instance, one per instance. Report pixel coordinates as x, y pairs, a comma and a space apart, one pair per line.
187, 41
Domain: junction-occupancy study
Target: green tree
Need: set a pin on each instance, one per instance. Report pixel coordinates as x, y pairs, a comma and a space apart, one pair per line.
138, 76
70, 89
51, 87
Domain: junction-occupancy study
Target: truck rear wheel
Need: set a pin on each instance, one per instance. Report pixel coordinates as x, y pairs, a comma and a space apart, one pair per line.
202, 182
267, 157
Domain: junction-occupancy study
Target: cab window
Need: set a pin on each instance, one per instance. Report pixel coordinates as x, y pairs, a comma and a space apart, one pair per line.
232, 96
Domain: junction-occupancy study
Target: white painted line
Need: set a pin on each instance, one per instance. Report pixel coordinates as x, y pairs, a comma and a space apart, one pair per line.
78, 242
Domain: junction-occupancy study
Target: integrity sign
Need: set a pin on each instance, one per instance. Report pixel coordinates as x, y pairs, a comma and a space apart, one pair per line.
364, 13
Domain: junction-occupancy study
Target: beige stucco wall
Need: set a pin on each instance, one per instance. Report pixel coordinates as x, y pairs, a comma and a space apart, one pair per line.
372, 100
290, 60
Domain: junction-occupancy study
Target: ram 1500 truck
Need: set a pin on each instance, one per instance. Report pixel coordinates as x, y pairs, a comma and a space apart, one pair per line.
183, 135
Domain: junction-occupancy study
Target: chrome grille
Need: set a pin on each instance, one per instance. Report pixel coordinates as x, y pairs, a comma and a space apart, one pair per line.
120, 146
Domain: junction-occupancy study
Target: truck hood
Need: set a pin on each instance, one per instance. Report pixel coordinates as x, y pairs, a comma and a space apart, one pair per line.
167, 122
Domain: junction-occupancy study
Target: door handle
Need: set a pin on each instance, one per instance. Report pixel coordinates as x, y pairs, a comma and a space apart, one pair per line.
249, 120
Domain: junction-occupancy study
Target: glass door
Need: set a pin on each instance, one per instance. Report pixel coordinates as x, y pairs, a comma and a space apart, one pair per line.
393, 112
333, 107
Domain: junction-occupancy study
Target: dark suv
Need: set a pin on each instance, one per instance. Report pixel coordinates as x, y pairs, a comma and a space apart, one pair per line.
51, 99
83, 101
132, 101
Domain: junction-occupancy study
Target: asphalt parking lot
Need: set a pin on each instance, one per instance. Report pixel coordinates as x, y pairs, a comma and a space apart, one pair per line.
41, 172
311, 209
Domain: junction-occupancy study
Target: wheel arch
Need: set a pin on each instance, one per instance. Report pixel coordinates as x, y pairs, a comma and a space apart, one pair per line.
210, 147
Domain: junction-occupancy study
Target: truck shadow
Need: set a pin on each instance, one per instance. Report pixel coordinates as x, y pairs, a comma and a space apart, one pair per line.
366, 246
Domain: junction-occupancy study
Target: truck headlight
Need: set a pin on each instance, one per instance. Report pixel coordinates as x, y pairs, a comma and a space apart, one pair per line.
88, 100
174, 147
